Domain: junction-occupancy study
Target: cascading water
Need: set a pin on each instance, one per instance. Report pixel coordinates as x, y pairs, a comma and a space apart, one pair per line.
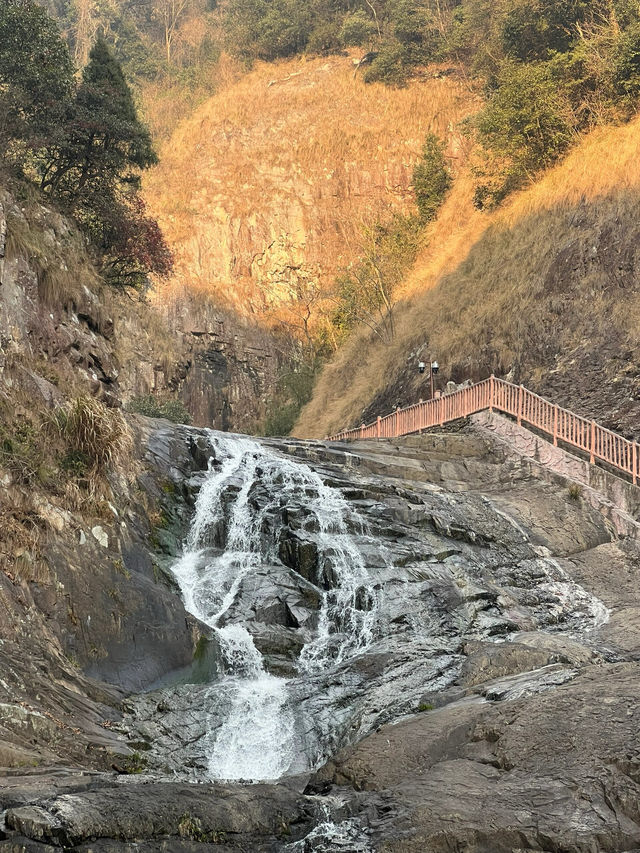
337, 608
231, 538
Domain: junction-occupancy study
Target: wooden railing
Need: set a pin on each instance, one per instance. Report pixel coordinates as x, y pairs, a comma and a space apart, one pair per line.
559, 424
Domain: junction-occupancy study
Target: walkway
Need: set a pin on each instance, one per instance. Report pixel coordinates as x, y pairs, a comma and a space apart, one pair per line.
529, 409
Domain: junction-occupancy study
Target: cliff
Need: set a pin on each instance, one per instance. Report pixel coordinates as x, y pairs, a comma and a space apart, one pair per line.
268, 183
64, 333
543, 291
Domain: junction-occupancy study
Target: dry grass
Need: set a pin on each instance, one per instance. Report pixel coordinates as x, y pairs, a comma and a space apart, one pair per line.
489, 292
20, 555
91, 429
282, 166
168, 102
57, 252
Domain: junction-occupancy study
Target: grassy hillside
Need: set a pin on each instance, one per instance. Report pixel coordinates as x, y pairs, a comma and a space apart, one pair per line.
544, 291
268, 184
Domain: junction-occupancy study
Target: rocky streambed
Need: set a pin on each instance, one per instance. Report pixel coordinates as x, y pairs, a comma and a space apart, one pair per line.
409, 646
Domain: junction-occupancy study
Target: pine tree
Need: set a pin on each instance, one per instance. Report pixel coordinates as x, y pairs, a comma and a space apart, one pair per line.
96, 171
106, 144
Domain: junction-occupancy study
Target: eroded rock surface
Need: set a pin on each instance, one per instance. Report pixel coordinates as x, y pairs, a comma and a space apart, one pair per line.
494, 707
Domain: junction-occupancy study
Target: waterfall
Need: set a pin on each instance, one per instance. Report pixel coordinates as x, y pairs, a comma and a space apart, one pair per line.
235, 532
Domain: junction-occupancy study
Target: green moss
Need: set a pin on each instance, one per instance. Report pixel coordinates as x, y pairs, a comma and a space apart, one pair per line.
191, 827
134, 763
200, 651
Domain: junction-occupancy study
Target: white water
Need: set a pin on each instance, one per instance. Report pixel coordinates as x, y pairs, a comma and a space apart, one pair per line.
257, 739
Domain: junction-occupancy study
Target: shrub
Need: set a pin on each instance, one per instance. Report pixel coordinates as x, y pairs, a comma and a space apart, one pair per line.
154, 407
357, 29
525, 126
389, 66
325, 38
294, 390
431, 178
97, 434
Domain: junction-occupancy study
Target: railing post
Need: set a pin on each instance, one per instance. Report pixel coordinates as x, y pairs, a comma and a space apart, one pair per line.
492, 392
555, 426
378, 427
361, 430
634, 462
520, 405
592, 443
397, 430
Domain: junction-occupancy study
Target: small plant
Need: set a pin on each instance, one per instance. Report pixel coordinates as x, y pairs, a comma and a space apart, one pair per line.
191, 827
92, 431
135, 763
425, 706
120, 567
75, 463
170, 408
158, 520
575, 492
168, 487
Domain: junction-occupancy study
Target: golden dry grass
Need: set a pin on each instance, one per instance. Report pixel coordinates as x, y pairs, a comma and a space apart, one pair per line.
482, 295
280, 168
60, 256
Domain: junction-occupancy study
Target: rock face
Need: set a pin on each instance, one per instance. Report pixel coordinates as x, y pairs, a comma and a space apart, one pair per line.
466, 679
262, 191
61, 329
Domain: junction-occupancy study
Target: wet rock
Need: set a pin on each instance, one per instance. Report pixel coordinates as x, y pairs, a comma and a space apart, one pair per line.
511, 688
299, 554
131, 811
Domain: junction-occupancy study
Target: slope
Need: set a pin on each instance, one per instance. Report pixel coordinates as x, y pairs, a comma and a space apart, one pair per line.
543, 291
264, 189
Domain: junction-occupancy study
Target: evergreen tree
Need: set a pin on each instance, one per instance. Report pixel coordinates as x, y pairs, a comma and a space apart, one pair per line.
106, 144
431, 178
96, 168
36, 76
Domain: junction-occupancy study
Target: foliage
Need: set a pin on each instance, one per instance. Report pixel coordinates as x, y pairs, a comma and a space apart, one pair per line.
132, 243
84, 141
525, 126
357, 29
36, 76
431, 178
293, 391
100, 435
365, 294
389, 66
154, 407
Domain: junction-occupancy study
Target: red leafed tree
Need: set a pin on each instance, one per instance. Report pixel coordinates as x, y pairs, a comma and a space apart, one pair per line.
134, 247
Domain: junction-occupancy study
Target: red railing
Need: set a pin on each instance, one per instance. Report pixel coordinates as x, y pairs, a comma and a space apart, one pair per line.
560, 424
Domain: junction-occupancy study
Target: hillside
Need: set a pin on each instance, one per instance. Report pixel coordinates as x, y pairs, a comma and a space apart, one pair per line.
268, 184
543, 291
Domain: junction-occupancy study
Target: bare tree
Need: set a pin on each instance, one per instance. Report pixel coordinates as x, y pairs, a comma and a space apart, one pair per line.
170, 13
87, 25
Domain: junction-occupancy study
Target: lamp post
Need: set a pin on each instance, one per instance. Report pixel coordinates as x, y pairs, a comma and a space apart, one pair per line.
434, 367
